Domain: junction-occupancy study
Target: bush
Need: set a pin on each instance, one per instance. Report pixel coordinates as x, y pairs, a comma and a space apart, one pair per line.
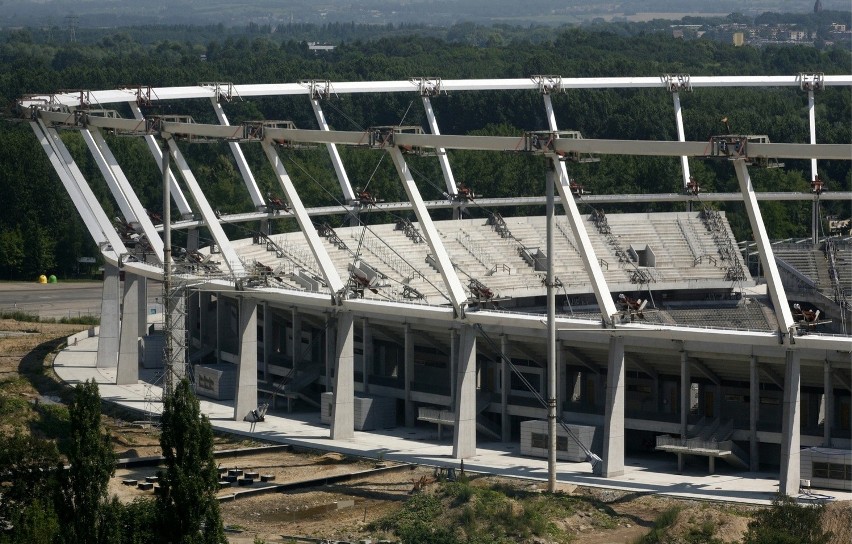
658, 531
787, 522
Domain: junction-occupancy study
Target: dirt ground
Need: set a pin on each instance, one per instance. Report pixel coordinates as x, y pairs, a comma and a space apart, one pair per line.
339, 511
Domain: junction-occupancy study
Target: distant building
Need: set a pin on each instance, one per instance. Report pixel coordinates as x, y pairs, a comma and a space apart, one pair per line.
316, 46
818, 6
739, 39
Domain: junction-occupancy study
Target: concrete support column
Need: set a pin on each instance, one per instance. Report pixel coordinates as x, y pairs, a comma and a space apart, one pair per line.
192, 240
296, 345
561, 379
368, 354
192, 315
753, 415
464, 433
790, 426
613, 447
206, 319
142, 295
828, 404
685, 403
109, 329
505, 381
454, 350
408, 373
246, 397
342, 413
330, 352
221, 320
267, 340
128, 349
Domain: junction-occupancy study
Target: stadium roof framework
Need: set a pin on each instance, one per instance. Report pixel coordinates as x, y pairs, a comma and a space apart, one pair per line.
320, 288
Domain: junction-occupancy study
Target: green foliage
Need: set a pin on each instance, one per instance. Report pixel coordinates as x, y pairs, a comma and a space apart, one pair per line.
187, 509
137, 521
661, 524
30, 318
53, 422
36, 523
787, 522
420, 508
32, 464
83, 497
465, 513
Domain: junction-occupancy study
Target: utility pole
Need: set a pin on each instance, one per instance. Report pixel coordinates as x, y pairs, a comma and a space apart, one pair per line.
551, 338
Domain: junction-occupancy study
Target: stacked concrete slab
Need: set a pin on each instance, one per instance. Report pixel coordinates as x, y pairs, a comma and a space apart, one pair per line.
371, 412
216, 381
567, 449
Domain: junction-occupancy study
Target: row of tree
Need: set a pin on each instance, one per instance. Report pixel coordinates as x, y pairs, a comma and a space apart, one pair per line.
59, 494
41, 233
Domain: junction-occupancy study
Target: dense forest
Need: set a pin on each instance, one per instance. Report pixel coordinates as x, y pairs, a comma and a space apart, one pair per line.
40, 232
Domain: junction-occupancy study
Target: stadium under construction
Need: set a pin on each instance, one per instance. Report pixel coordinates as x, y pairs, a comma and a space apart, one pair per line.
642, 332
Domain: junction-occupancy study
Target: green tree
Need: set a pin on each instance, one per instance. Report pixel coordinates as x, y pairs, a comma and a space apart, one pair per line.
31, 464
83, 496
187, 508
787, 522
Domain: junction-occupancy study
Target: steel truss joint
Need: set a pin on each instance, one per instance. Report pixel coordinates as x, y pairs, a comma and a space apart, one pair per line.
222, 90
677, 82
548, 84
319, 89
428, 86
812, 82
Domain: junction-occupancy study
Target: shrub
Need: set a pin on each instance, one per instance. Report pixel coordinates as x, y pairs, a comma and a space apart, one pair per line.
787, 522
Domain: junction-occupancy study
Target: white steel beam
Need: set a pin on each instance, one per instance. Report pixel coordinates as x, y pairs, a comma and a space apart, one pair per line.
449, 179
578, 227
681, 136
245, 171
812, 123
661, 148
121, 189
783, 315
96, 220
253, 90
95, 230
232, 260
456, 292
336, 161
332, 278
814, 174
177, 193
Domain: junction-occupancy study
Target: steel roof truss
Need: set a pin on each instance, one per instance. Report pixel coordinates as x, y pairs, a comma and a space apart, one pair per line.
232, 260
121, 189
329, 272
455, 290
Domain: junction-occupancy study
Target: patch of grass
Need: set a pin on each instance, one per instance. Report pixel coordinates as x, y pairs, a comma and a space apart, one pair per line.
32, 318
53, 421
658, 531
703, 534
20, 316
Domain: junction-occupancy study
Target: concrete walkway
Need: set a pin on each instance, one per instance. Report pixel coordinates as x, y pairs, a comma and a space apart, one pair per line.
654, 474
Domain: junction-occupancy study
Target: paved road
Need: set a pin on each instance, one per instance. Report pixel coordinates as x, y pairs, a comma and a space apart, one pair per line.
52, 300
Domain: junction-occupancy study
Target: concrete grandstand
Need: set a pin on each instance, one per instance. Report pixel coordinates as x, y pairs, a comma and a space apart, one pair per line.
665, 342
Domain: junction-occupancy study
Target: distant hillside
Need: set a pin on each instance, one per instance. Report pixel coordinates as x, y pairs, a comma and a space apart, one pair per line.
91, 13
